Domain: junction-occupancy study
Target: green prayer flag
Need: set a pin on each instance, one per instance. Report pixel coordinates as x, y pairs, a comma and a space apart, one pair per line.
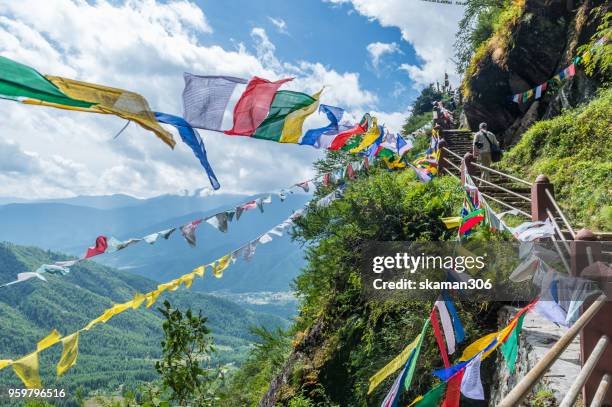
510, 347
19, 81
386, 153
432, 397
415, 357
353, 142
284, 102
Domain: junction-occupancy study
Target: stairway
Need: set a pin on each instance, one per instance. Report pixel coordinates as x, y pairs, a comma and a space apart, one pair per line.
459, 141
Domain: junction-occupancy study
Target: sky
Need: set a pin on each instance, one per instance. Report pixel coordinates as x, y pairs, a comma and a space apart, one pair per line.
370, 55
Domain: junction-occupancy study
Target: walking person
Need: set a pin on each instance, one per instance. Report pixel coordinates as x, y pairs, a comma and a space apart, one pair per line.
483, 145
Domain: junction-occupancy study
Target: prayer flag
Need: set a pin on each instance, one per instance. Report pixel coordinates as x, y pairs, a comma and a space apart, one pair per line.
438, 335
453, 390
152, 238
193, 140
125, 104
49, 340
254, 105
459, 331
392, 397
516, 98
304, 185
322, 137
403, 145
451, 222
447, 326
510, 347
188, 231
471, 220
341, 139
392, 366
26, 369
571, 70
284, 103
18, 81
219, 221
4, 363
369, 137
415, 357
205, 99
69, 354
431, 398
538, 92
471, 385
292, 128
99, 248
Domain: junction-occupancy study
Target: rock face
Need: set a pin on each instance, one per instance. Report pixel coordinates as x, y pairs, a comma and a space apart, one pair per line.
543, 42
537, 337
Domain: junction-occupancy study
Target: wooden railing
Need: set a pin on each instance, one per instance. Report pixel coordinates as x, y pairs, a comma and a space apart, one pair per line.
576, 250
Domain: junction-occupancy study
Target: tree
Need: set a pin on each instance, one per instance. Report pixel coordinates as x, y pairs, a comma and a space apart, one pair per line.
185, 364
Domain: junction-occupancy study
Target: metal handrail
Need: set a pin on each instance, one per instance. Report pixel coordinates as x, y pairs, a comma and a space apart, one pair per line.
602, 389
505, 204
453, 153
560, 212
512, 177
585, 372
522, 389
502, 188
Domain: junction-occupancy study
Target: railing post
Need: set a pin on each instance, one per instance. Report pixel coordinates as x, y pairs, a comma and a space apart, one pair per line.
539, 200
443, 154
585, 249
467, 166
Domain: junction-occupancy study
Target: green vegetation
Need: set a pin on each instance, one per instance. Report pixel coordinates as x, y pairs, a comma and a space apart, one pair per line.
575, 152
597, 57
114, 358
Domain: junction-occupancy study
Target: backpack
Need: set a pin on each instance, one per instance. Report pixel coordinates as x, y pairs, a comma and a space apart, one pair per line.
496, 153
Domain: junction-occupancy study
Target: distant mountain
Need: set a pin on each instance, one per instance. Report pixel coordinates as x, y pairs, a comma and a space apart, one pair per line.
120, 352
71, 229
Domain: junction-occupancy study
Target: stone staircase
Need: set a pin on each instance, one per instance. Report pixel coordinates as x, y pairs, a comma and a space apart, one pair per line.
459, 141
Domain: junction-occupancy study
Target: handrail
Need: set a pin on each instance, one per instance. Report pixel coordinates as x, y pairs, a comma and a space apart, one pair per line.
453, 153
452, 163
559, 231
512, 177
520, 391
563, 260
502, 188
569, 227
602, 389
585, 372
450, 173
505, 204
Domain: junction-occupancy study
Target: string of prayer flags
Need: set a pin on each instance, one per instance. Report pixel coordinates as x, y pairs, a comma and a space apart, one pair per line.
510, 347
253, 106
471, 220
340, 140
205, 99
193, 140
339, 121
540, 89
369, 137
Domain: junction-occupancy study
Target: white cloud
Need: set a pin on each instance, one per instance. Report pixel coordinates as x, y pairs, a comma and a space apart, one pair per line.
378, 49
280, 24
429, 27
144, 46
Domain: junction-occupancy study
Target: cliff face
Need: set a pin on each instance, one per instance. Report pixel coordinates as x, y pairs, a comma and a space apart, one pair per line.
542, 41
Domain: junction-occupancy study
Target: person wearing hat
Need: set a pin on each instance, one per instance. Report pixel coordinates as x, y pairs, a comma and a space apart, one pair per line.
482, 146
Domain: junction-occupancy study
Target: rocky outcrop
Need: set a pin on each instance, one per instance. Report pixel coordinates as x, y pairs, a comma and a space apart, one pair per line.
543, 41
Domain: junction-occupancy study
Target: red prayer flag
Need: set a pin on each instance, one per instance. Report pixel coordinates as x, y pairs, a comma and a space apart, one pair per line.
438, 335
453, 390
342, 137
470, 223
350, 172
572, 70
99, 248
254, 105
326, 179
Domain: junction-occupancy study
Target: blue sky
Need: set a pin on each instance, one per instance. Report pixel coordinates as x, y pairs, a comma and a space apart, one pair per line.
333, 34
372, 55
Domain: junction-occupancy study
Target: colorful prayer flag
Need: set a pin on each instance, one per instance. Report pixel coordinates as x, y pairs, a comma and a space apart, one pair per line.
471, 385
341, 139
392, 366
99, 248
438, 336
205, 99
292, 129
253, 106
284, 103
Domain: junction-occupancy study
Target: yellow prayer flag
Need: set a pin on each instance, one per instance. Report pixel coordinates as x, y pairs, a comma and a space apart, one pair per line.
125, 104
5, 363
69, 354
138, 300
399, 361
478, 346
369, 137
49, 340
109, 313
416, 400
26, 369
451, 222
221, 265
187, 279
152, 297
292, 129
200, 271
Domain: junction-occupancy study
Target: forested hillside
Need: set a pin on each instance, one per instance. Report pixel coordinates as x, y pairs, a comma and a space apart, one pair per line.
117, 355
